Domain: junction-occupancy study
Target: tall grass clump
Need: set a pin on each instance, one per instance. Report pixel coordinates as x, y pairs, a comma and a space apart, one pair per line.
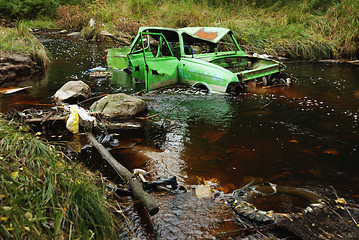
345, 30
45, 196
311, 29
21, 40
72, 17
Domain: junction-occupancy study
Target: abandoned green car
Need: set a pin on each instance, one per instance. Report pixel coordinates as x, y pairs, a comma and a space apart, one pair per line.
207, 58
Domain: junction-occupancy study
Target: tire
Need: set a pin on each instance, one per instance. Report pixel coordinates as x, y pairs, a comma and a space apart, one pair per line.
243, 202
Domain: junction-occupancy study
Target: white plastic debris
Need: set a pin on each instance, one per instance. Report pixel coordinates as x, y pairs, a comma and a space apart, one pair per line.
77, 115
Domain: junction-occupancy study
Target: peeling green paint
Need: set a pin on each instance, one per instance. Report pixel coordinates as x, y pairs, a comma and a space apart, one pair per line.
207, 57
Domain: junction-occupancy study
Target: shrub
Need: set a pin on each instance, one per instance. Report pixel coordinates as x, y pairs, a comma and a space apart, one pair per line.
71, 17
28, 9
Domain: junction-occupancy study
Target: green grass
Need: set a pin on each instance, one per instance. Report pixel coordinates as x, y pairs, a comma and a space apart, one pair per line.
20, 40
44, 195
41, 23
310, 29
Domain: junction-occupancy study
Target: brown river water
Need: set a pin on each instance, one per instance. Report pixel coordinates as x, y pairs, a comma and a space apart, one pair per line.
306, 135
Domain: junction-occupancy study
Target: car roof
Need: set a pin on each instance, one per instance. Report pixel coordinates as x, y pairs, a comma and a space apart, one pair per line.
210, 34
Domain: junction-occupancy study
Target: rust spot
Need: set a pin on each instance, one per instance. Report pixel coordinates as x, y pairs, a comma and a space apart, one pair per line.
206, 35
331, 151
356, 94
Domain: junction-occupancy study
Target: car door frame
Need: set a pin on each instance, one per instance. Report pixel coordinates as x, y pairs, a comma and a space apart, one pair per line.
155, 70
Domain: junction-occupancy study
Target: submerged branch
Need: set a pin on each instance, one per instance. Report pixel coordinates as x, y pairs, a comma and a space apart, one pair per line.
123, 172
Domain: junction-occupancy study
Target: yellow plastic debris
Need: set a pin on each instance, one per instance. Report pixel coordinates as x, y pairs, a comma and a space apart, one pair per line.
72, 123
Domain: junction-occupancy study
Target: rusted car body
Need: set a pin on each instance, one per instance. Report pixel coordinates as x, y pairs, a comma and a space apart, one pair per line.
208, 58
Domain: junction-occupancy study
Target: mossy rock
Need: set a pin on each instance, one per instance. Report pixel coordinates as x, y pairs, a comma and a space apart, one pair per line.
119, 105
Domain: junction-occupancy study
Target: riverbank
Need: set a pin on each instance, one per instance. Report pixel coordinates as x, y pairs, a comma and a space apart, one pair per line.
21, 54
308, 29
296, 29
45, 195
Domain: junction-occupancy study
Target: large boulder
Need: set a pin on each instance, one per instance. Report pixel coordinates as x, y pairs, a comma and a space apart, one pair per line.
119, 105
72, 92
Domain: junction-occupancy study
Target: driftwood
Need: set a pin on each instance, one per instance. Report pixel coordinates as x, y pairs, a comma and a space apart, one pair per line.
112, 126
42, 120
132, 181
122, 38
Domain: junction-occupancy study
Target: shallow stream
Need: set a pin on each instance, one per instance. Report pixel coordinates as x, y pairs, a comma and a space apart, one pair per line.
306, 135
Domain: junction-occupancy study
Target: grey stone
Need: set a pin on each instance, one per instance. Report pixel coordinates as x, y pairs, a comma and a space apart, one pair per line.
73, 91
119, 105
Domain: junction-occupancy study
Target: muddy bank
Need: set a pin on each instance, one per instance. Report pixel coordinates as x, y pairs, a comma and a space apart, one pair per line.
17, 67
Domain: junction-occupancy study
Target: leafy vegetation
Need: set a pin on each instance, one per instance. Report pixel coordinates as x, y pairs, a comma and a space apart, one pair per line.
43, 195
19, 39
30, 9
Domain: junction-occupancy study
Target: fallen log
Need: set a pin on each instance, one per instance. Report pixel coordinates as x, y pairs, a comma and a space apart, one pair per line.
135, 185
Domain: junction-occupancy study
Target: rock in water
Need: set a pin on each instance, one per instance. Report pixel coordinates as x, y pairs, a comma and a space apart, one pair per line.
73, 91
119, 105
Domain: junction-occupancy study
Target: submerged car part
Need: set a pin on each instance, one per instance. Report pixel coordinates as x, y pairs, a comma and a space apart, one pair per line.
208, 58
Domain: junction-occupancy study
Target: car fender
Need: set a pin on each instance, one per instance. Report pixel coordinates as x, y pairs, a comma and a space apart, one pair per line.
196, 71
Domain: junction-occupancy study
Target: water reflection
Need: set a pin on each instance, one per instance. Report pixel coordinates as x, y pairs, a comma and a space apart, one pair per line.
308, 131
305, 135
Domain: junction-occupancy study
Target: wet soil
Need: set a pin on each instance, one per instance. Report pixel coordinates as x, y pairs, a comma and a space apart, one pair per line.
15, 67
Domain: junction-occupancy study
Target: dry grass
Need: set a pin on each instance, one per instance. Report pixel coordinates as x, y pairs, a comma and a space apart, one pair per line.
72, 17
